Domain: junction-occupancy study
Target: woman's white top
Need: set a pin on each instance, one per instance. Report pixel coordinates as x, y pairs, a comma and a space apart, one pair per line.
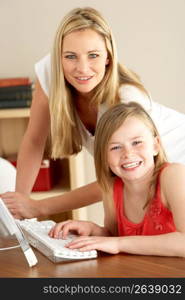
170, 123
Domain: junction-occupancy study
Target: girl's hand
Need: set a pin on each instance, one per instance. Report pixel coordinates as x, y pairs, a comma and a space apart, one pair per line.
106, 244
20, 205
62, 229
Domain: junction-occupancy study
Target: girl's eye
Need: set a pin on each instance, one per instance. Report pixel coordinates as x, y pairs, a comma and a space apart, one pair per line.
93, 55
70, 56
135, 143
115, 148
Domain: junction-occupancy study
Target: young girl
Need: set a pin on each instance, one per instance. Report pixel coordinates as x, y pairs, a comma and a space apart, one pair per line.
144, 196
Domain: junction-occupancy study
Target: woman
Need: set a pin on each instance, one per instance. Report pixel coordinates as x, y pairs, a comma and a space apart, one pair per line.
82, 80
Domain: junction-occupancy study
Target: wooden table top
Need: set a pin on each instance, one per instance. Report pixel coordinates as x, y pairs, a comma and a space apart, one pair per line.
13, 264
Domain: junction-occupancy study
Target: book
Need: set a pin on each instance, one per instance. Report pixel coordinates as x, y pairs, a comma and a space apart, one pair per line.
11, 94
12, 89
17, 94
5, 82
14, 103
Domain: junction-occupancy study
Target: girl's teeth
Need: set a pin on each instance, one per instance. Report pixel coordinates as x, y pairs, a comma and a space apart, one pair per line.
131, 165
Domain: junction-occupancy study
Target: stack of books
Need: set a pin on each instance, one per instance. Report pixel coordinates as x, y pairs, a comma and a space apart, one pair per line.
15, 92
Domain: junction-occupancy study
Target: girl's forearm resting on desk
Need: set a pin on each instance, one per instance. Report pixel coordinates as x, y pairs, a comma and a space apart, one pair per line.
170, 244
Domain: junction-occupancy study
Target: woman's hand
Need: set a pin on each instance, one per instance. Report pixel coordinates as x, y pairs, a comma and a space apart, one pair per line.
20, 205
82, 228
101, 243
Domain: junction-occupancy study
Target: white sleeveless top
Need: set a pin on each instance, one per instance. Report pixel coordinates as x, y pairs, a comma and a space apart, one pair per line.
170, 123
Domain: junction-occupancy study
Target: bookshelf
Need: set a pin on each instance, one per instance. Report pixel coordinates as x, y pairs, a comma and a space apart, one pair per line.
13, 123
77, 171
14, 113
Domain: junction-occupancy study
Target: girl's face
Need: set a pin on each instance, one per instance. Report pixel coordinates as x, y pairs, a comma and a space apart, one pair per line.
131, 151
84, 59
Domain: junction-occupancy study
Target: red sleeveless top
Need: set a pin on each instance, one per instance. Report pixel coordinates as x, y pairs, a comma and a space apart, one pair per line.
157, 220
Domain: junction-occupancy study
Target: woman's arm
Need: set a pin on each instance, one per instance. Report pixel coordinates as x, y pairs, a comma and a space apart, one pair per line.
22, 206
33, 143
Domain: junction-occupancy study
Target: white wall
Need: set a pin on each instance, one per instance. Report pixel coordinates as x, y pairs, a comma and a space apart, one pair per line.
150, 36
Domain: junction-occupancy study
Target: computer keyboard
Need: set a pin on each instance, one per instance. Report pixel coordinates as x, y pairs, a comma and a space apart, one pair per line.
37, 235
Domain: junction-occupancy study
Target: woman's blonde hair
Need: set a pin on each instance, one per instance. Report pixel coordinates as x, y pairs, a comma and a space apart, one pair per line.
110, 121
65, 134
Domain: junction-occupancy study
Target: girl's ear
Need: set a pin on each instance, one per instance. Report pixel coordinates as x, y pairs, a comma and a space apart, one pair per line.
156, 145
107, 61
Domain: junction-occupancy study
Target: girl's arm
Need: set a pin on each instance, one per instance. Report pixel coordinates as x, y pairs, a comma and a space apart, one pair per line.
173, 195
82, 228
170, 244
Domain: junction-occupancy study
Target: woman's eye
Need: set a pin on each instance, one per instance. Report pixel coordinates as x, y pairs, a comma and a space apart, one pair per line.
70, 56
93, 55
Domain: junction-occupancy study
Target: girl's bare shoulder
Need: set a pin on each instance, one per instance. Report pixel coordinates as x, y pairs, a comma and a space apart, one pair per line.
172, 181
173, 169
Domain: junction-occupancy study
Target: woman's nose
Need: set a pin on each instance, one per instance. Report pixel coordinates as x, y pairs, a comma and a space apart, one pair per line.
82, 66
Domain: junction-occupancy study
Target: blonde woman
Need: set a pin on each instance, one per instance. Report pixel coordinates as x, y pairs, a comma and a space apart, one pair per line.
144, 196
75, 85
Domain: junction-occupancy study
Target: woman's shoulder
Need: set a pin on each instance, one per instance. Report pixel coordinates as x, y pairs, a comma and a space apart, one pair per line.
43, 72
44, 62
130, 92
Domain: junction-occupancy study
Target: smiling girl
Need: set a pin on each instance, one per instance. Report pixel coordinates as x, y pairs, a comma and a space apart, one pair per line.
144, 196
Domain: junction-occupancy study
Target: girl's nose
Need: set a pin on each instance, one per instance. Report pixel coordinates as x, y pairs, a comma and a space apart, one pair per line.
127, 151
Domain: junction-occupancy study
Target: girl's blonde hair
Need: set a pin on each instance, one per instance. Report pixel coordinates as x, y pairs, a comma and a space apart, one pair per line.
110, 121
65, 135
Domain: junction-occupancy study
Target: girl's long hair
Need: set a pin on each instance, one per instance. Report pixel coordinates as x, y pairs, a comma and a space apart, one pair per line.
65, 134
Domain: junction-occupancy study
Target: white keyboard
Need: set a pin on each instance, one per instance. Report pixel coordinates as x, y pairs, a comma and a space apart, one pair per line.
37, 235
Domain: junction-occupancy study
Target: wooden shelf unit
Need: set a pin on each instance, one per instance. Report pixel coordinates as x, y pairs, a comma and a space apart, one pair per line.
14, 113
78, 172
13, 123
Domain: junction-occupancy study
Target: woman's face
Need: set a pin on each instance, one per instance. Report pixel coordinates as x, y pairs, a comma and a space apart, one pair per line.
84, 59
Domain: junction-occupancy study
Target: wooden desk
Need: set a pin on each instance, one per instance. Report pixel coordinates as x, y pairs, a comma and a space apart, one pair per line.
13, 264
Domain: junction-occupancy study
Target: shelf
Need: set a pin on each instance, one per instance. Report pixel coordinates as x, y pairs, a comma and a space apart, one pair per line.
62, 185
14, 113
58, 190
